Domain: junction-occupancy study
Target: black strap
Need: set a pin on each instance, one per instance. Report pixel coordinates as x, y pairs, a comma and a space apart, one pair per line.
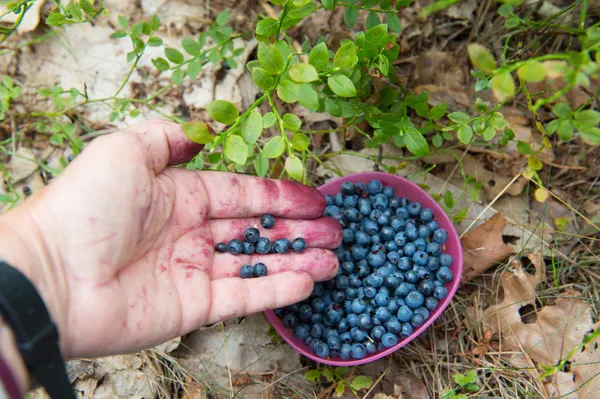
24, 310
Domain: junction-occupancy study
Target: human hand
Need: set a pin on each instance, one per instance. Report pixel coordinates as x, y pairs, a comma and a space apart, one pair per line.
121, 246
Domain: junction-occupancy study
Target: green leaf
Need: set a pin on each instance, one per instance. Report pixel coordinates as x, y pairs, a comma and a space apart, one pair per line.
154, 22
161, 64
384, 65
291, 122
213, 158
345, 56
123, 22
155, 41
222, 18
136, 30
465, 134
223, 111
534, 163
341, 371
489, 133
118, 34
460, 379
565, 130
328, 374
586, 119
562, 110
261, 165
459, 117
394, 23
333, 108
262, 78
437, 112
437, 141
270, 58
55, 19
505, 10
532, 71
415, 142
449, 199
350, 17
274, 147
377, 35
174, 55
267, 27
340, 388
252, 127
503, 86
194, 69
341, 86
86, 6
191, 46
481, 57
329, 4
303, 73
236, 149
319, 56
300, 142
512, 22
6, 198
269, 120
523, 147
294, 168
75, 11
361, 382
312, 375
288, 91
591, 135
372, 20
471, 377
198, 132
177, 76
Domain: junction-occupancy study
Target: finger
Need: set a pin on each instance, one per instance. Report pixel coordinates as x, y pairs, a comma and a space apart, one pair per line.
320, 264
158, 142
236, 297
318, 233
233, 196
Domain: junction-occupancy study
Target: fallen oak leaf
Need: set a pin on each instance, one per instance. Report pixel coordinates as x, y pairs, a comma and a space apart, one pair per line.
484, 247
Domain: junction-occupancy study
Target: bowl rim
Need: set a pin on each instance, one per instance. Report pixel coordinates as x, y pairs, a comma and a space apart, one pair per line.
439, 212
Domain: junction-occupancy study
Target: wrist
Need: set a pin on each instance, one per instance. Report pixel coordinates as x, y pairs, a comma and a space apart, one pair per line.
24, 248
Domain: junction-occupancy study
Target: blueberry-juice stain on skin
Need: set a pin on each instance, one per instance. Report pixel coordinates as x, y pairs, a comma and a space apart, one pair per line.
393, 275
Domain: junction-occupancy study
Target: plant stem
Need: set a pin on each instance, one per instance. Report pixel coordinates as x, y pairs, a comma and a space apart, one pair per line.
392, 11
14, 27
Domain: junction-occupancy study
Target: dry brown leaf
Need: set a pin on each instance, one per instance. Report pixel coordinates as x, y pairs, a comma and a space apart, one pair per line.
193, 390
455, 96
438, 68
483, 247
408, 386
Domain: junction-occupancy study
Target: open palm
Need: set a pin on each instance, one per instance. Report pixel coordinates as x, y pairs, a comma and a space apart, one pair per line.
129, 242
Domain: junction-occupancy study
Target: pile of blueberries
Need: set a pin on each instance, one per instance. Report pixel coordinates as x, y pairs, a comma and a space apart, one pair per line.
254, 243
392, 274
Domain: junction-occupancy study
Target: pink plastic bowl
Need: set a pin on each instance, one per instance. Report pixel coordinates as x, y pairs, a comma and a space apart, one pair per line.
404, 188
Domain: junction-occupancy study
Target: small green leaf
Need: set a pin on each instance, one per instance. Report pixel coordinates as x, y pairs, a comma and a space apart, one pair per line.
294, 168
269, 120
223, 111
523, 147
155, 41
291, 122
262, 78
198, 132
300, 142
465, 134
177, 76
6, 198
191, 46
460, 379
340, 388
308, 97
377, 35
503, 86
394, 23
303, 73
481, 57
55, 19
252, 127
136, 30
460, 215
361, 382
459, 117
312, 375
384, 65
118, 34
236, 149
449, 199
267, 27
328, 374
590, 135
341, 371
372, 20
489, 133
345, 56
123, 22
415, 142
174, 55
586, 119
332, 108
86, 6
194, 69
471, 377
319, 56
154, 22
512, 22
261, 165
270, 58
565, 130
437, 141
341, 86
74, 10
350, 17
288, 91
274, 147
329, 4
222, 18
505, 10
562, 110
534, 163
437, 112
532, 71
161, 64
